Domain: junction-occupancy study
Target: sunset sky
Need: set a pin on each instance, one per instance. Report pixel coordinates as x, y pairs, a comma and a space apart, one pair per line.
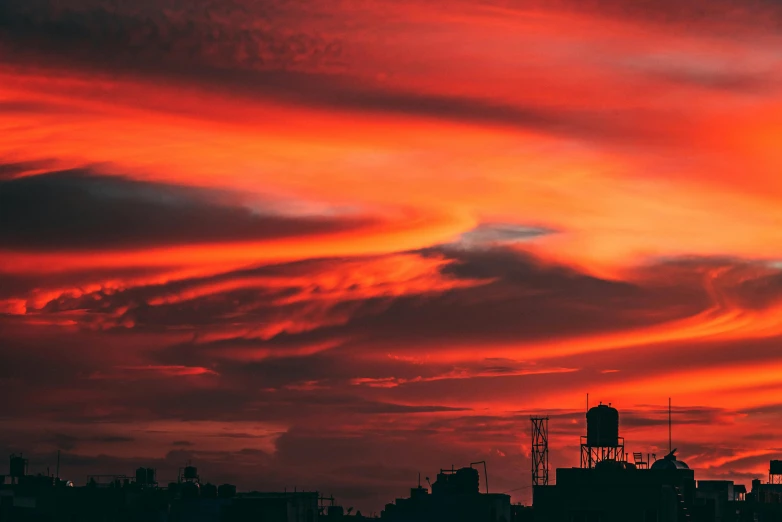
328, 244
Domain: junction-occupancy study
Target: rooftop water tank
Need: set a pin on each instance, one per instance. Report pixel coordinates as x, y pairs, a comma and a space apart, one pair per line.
602, 426
18, 466
191, 473
208, 491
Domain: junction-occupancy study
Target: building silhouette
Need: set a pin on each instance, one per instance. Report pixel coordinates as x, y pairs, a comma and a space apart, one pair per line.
140, 498
608, 488
617, 491
455, 497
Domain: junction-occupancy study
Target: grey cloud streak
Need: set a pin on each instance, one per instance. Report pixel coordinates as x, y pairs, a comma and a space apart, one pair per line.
81, 209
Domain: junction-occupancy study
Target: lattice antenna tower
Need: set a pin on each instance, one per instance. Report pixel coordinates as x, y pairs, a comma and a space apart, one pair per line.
539, 451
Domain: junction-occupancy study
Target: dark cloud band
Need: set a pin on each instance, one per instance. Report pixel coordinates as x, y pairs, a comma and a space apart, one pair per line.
79, 209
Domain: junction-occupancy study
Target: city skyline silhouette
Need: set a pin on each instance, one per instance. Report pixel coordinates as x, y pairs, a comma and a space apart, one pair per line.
600, 442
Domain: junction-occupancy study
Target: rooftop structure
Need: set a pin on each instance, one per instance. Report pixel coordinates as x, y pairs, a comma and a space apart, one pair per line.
455, 497
602, 441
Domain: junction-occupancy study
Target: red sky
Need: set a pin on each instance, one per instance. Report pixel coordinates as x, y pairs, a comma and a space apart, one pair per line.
330, 244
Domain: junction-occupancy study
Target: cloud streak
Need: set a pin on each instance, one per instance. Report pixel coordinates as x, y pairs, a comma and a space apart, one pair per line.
79, 209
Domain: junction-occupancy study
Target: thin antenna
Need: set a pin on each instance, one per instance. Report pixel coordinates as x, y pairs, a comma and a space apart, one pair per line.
419, 479
670, 445
485, 473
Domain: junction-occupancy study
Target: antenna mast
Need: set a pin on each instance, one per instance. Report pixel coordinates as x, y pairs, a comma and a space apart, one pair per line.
670, 444
485, 473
